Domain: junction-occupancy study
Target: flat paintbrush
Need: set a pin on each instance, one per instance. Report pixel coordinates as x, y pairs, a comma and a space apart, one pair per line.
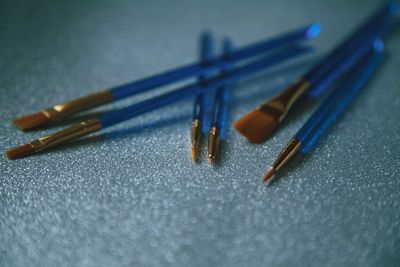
306, 138
258, 125
61, 111
117, 116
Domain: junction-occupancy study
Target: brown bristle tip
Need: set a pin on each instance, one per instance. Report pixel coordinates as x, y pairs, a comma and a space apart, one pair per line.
20, 152
30, 121
267, 177
211, 160
257, 126
194, 154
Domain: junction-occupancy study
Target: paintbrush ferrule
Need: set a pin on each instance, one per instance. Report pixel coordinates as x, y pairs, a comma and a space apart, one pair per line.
281, 104
63, 110
214, 142
261, 123
71, 133
196, 137
286, 154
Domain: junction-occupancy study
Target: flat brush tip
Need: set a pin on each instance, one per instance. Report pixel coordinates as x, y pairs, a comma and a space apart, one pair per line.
257, 126
19, 152
267, 177
30, 121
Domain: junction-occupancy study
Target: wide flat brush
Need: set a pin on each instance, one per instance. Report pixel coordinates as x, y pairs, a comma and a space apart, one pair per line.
61, 111
258, 125
131, 111
330, 109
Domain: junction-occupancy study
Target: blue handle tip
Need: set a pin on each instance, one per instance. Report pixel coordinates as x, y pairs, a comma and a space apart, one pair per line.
394, 8
378, 45
314, 30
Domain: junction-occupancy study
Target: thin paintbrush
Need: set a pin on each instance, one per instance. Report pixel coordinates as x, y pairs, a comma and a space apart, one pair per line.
123, 114
200, 107
306, 138
258, 125
219, 126
67, 109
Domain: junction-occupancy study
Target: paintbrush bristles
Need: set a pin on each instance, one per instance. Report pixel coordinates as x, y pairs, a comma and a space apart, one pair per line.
257, 126
31, 121
268, 175
57, 138
20, 152
261, 123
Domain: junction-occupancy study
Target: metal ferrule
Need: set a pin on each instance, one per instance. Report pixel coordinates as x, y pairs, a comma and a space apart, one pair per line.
280, 105
84, 103
214, 141
287, 153
196, 137
73, 132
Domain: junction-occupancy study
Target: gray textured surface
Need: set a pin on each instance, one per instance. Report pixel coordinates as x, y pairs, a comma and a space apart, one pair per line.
136, 199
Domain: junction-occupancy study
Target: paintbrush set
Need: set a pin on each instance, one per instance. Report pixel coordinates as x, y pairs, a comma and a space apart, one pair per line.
210, 113
343, 72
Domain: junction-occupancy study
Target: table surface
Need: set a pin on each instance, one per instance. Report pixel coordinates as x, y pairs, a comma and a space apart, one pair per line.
132, 196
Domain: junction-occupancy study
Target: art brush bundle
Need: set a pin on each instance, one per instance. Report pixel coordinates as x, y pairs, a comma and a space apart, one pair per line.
210, 111
267, 53
351, 63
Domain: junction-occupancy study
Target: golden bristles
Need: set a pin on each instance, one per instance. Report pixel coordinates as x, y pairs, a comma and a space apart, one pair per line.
31, 121
20, 152
257, 126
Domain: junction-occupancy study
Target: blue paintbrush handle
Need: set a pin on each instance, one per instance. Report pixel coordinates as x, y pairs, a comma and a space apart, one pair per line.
222, 98
201, 101
337, 94
216, 63
370, 29
350, 89
347, 63
346, 60
332, 100
123, 114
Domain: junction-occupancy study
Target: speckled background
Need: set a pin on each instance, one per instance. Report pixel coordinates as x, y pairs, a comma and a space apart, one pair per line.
134, 198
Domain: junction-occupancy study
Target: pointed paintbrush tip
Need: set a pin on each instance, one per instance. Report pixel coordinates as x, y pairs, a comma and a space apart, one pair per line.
196, 138
211, 160
20, 152
268, 176
194, 154
257, 126
31, 121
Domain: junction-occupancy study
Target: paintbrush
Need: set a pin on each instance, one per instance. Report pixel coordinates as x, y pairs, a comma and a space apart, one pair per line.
64, 110
220, 110
258, 125
117, 116
200, 123
328, 112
